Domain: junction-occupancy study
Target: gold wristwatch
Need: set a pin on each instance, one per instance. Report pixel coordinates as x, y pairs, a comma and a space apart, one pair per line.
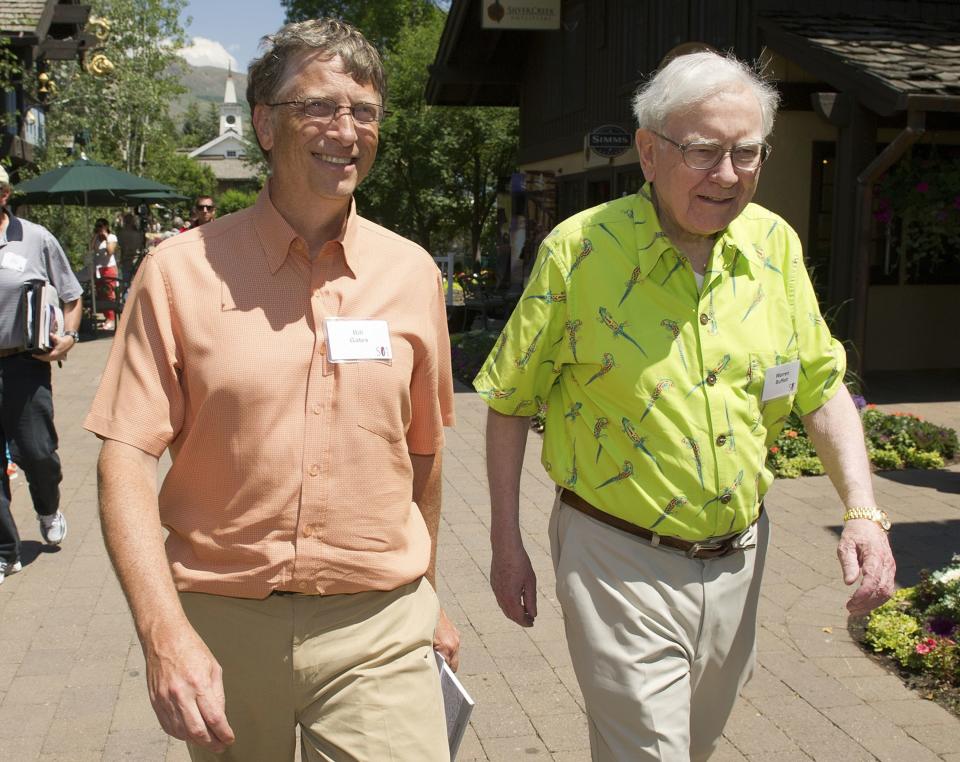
874, 514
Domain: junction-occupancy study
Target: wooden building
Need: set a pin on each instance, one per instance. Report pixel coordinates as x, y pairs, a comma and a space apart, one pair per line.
865, 84
34, 32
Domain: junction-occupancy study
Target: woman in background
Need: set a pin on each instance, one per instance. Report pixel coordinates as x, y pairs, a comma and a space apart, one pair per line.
104, 246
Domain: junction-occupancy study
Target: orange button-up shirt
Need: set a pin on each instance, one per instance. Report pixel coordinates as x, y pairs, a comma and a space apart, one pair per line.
289, 472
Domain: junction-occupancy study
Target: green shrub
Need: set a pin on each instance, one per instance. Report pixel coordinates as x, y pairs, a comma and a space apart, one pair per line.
885, 459
920, 459
469, 350
903, 430
918, 626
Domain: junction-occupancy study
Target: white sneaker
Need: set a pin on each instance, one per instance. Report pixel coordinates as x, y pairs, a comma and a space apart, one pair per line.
53, 528
9, 567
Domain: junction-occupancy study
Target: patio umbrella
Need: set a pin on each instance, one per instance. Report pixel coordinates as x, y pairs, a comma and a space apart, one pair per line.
85, 183
155, 197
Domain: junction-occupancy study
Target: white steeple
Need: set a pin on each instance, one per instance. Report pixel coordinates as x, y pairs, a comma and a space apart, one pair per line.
230, 111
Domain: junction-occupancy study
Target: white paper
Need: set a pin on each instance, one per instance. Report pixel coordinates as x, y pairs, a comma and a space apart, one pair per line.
355, 340
780, 381
13, 261
457, 704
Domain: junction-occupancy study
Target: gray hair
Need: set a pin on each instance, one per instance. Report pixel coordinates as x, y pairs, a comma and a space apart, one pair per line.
332, 37
689, 80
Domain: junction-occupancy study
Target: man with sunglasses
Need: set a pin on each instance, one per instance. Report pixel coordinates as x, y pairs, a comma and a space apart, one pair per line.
204, 211
294, 359
680, 329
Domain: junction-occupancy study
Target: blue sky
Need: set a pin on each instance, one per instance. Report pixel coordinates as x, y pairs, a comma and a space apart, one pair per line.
228, 30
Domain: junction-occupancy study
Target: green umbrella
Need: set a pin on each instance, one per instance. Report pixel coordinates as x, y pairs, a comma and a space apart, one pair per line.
155, 197
85, 183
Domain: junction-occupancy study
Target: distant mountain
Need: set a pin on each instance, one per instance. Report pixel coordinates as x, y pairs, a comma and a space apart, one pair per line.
205, 84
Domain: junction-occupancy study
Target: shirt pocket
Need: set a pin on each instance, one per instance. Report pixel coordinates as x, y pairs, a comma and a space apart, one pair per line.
383, 394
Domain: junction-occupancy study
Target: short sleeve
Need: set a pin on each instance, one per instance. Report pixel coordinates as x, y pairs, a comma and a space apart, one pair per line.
823, 361
140, 401
431, 384
59, 272
523, 364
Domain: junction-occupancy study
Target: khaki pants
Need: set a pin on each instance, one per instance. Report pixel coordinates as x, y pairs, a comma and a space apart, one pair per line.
357, 672
661, 644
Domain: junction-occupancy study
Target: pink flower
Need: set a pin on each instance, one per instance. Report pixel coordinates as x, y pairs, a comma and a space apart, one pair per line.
774, 449
925, 646
923, 186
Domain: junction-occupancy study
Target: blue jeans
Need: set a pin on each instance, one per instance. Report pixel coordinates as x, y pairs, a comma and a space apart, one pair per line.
26, 422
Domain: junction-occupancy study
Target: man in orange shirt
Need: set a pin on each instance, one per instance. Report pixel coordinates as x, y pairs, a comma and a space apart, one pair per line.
294, 360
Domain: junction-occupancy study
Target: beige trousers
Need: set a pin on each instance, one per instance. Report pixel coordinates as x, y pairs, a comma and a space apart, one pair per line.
661, 644
357, 672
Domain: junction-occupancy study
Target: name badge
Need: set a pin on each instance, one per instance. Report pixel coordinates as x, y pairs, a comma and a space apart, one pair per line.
780, 381
13, 261
355, 340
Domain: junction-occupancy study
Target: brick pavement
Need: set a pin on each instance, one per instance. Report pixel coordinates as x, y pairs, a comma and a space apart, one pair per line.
71, 672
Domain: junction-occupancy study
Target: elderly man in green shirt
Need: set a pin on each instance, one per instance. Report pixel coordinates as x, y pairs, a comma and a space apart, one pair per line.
668, 335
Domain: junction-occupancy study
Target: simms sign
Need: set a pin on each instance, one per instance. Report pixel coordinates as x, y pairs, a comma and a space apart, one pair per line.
520, 14
610, 140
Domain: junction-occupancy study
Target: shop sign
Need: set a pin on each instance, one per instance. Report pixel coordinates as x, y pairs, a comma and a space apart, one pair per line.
34, 127
520, 14
609, 141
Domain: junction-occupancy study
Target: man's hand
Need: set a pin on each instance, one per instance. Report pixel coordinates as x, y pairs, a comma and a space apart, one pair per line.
514, 582
61, 345
446, 640
186, 689
864, 549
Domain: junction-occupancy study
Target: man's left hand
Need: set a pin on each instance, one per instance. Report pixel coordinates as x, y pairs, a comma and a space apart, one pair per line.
61, 345
864, 549
446, 640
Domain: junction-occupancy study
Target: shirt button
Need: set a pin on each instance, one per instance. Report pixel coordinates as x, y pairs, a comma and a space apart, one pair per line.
726, 499
704, 318
323, 349
314, 470
711, 379
317, 409
307, 531
721, 440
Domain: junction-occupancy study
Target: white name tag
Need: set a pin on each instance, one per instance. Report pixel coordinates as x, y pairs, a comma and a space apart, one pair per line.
354, 340
13, 261
780, 381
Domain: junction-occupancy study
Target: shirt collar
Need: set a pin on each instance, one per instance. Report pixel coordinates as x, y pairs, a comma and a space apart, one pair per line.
278, 239
653, 243
14, 231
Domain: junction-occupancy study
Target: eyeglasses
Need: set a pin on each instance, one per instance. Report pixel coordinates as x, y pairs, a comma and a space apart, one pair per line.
328, 110
206, 207
704, 155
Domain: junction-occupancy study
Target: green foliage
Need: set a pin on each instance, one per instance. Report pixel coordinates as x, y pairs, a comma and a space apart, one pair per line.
234, 200
380, 22
894, 441
436, 174
918, 626
469, 350
198, 129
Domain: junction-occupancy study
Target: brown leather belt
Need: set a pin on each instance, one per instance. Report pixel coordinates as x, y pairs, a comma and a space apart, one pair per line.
714, 548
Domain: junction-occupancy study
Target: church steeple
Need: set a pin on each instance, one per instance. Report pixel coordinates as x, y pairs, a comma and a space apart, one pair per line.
230, 111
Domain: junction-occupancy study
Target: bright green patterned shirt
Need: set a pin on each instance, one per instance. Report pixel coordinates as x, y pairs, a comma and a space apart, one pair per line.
652, 389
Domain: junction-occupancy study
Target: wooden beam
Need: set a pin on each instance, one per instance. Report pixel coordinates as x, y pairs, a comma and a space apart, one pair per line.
71, 14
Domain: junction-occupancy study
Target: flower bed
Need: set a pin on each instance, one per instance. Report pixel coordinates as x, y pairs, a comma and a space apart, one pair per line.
918, 630
468, 352
894, 441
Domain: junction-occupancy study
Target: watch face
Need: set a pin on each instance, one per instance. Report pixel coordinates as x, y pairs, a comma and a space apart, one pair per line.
884, 521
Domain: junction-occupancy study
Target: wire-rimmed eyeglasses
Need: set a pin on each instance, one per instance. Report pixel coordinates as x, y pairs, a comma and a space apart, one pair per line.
328, 110
704, 155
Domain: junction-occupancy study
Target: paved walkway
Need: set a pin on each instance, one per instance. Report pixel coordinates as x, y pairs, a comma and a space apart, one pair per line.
71, 673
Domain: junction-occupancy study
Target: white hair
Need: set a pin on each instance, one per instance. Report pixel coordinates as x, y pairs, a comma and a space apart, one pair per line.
689, 80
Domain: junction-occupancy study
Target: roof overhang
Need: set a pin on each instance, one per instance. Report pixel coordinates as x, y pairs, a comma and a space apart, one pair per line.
474, 66
890, 65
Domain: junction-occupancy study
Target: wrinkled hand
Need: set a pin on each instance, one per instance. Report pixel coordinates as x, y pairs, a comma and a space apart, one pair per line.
61, 345
446, 640
514, 582
864, 549
186, 690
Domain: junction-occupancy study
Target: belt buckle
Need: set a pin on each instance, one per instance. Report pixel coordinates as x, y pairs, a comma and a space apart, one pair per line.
694, 550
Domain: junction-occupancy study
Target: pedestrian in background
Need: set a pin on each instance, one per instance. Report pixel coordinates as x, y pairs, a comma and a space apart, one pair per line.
294, 359
204, 211
30, 252
668, 335
103, 244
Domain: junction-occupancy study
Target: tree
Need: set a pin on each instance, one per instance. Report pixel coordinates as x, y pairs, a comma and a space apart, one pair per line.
198, 129
436, 176
379, 21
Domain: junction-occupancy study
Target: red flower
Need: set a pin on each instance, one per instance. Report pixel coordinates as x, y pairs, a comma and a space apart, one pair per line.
792, 434
774, 449
923, 186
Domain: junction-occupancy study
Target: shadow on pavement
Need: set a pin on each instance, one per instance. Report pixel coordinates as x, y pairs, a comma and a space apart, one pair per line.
31, 549
939, 479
